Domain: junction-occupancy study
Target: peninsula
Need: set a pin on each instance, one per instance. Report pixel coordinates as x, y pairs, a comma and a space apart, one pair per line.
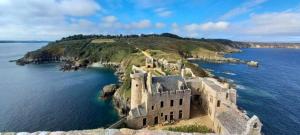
156, 77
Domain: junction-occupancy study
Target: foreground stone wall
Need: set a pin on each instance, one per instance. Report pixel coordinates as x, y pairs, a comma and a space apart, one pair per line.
102, 131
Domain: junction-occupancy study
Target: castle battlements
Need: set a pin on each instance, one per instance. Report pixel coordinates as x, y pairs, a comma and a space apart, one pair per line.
160, 99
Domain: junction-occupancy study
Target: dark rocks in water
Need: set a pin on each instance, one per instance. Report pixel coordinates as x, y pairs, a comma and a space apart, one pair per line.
74, 65
109, 90
12, 60
39, 60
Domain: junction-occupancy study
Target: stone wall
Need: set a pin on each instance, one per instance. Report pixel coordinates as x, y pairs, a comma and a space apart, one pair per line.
154, 100
102, 131
166, 97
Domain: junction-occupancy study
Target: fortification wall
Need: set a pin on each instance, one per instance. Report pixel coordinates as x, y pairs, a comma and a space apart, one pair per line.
101, 131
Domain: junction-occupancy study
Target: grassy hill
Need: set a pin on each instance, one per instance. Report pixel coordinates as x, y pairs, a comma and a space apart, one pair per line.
123, 50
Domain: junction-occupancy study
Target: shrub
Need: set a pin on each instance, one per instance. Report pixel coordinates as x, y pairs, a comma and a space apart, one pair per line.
190, 129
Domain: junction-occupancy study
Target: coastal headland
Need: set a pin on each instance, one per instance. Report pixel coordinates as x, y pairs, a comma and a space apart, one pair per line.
122, 52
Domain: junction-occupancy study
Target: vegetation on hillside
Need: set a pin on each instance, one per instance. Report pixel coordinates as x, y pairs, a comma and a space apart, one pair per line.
125, 50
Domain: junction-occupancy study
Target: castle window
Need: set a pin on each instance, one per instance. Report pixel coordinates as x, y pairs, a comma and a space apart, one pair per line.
137, 85
144, 122
171, 116
180, 101
161, 104
180, 114
171, 102
161, 114
166, 117
152, 107
218, 103
226, 95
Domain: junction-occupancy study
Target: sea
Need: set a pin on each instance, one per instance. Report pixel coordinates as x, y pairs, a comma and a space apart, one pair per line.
271, 91
43, 98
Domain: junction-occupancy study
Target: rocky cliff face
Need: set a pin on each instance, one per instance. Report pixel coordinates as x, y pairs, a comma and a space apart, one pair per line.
101, 131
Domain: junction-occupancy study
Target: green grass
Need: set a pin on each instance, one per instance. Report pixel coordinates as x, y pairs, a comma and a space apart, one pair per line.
190, 129
123, 50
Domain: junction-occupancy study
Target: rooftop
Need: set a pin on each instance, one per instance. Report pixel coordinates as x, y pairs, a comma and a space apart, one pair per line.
168, 83
215, 85
233, 121
139, 111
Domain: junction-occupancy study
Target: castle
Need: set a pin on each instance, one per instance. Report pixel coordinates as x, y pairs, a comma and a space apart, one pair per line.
164, 99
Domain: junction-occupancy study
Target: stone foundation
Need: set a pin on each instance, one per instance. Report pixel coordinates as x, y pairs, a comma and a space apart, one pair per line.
101, 131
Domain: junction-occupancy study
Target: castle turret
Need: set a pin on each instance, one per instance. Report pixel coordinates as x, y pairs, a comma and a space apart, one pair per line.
149, 82
253, 126
137, 87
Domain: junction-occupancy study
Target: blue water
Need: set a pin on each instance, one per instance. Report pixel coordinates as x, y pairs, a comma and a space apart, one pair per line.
40, 97
272, 91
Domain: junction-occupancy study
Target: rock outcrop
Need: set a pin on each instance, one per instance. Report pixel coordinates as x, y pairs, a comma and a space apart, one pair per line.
121, 104
109, 90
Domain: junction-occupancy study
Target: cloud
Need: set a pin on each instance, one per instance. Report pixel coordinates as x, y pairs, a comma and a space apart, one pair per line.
78, 7
112, 22
175, 28
47, 19
277, 23
162, 12
244, 8
139, 25
160, 25
109, 21
209, 26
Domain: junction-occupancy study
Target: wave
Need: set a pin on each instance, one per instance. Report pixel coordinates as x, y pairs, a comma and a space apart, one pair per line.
241, 87
229, 73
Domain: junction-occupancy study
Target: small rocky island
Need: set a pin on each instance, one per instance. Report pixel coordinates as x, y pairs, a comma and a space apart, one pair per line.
164, 54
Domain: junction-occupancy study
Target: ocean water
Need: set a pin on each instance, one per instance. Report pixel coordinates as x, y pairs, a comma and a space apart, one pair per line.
271, 91
40, 97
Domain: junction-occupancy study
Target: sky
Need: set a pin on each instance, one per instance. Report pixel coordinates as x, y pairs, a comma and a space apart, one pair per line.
240, 20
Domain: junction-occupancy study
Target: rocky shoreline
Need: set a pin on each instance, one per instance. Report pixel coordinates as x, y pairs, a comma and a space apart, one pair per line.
221, 60
68, 64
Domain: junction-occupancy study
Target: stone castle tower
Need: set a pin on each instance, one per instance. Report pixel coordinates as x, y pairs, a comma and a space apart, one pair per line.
137, 88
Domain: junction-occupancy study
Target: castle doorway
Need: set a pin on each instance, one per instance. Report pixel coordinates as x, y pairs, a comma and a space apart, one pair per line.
196, 100
156, 120
196, 108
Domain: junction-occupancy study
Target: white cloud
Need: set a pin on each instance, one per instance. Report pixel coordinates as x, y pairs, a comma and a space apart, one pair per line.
209, 26
78, 7
160, 25
109, 19
244, 8
163, 12
175, 28
111, 22
141, 24
276, 23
